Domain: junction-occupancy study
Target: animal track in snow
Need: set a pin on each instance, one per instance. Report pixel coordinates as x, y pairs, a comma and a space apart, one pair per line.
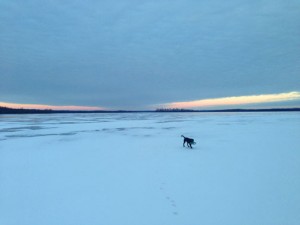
169, 199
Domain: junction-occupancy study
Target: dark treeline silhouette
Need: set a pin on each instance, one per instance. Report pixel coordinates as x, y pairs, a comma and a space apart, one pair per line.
174, 110
6, 110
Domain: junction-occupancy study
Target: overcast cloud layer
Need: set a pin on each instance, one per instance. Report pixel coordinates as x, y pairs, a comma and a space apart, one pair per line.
134, 54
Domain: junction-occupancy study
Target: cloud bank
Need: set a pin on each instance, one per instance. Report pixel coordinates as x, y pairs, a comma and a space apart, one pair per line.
132, 54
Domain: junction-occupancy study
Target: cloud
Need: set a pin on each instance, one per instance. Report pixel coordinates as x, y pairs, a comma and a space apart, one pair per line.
235, 100
36, 106
139, 53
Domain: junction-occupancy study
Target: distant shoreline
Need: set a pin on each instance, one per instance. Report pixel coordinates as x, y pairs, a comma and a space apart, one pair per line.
5, 110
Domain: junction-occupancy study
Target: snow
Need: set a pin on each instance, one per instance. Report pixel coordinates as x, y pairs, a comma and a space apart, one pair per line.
131, 169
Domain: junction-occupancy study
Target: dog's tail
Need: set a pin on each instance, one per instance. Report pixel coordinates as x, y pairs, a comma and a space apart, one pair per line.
182, 136
194, 143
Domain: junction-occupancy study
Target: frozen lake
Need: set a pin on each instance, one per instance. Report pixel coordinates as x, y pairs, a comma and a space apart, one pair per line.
131, 169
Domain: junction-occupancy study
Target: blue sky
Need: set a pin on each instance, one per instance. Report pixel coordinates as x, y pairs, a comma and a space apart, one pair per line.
138, 54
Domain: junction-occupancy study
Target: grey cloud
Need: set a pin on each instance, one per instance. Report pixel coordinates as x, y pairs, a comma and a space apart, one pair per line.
133, 54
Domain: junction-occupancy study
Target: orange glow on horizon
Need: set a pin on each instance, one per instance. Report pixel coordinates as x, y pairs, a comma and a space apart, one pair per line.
236, 100
43, 107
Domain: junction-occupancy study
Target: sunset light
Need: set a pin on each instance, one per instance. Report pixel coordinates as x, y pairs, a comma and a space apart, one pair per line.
52, 107
235, 100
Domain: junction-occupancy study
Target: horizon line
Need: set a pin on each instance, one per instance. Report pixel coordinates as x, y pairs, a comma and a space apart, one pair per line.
293, 108
202, 104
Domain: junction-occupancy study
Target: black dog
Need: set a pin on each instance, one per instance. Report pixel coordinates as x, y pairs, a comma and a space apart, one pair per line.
189, 141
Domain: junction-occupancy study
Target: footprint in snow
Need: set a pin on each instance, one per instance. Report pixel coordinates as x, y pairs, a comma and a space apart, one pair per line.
169, 199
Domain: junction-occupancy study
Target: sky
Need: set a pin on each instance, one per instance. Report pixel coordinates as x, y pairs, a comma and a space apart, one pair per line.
130, 54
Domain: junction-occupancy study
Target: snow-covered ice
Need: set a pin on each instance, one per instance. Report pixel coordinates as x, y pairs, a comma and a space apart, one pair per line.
131, 169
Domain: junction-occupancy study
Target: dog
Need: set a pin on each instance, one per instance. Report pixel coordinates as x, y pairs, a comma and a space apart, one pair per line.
189, 141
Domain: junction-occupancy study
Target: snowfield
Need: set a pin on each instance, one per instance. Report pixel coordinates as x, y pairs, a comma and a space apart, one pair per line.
131, 169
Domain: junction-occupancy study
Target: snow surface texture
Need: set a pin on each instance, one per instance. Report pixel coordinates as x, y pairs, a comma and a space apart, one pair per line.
131, 169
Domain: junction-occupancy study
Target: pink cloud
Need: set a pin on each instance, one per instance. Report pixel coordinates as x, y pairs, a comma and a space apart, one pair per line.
38, 106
